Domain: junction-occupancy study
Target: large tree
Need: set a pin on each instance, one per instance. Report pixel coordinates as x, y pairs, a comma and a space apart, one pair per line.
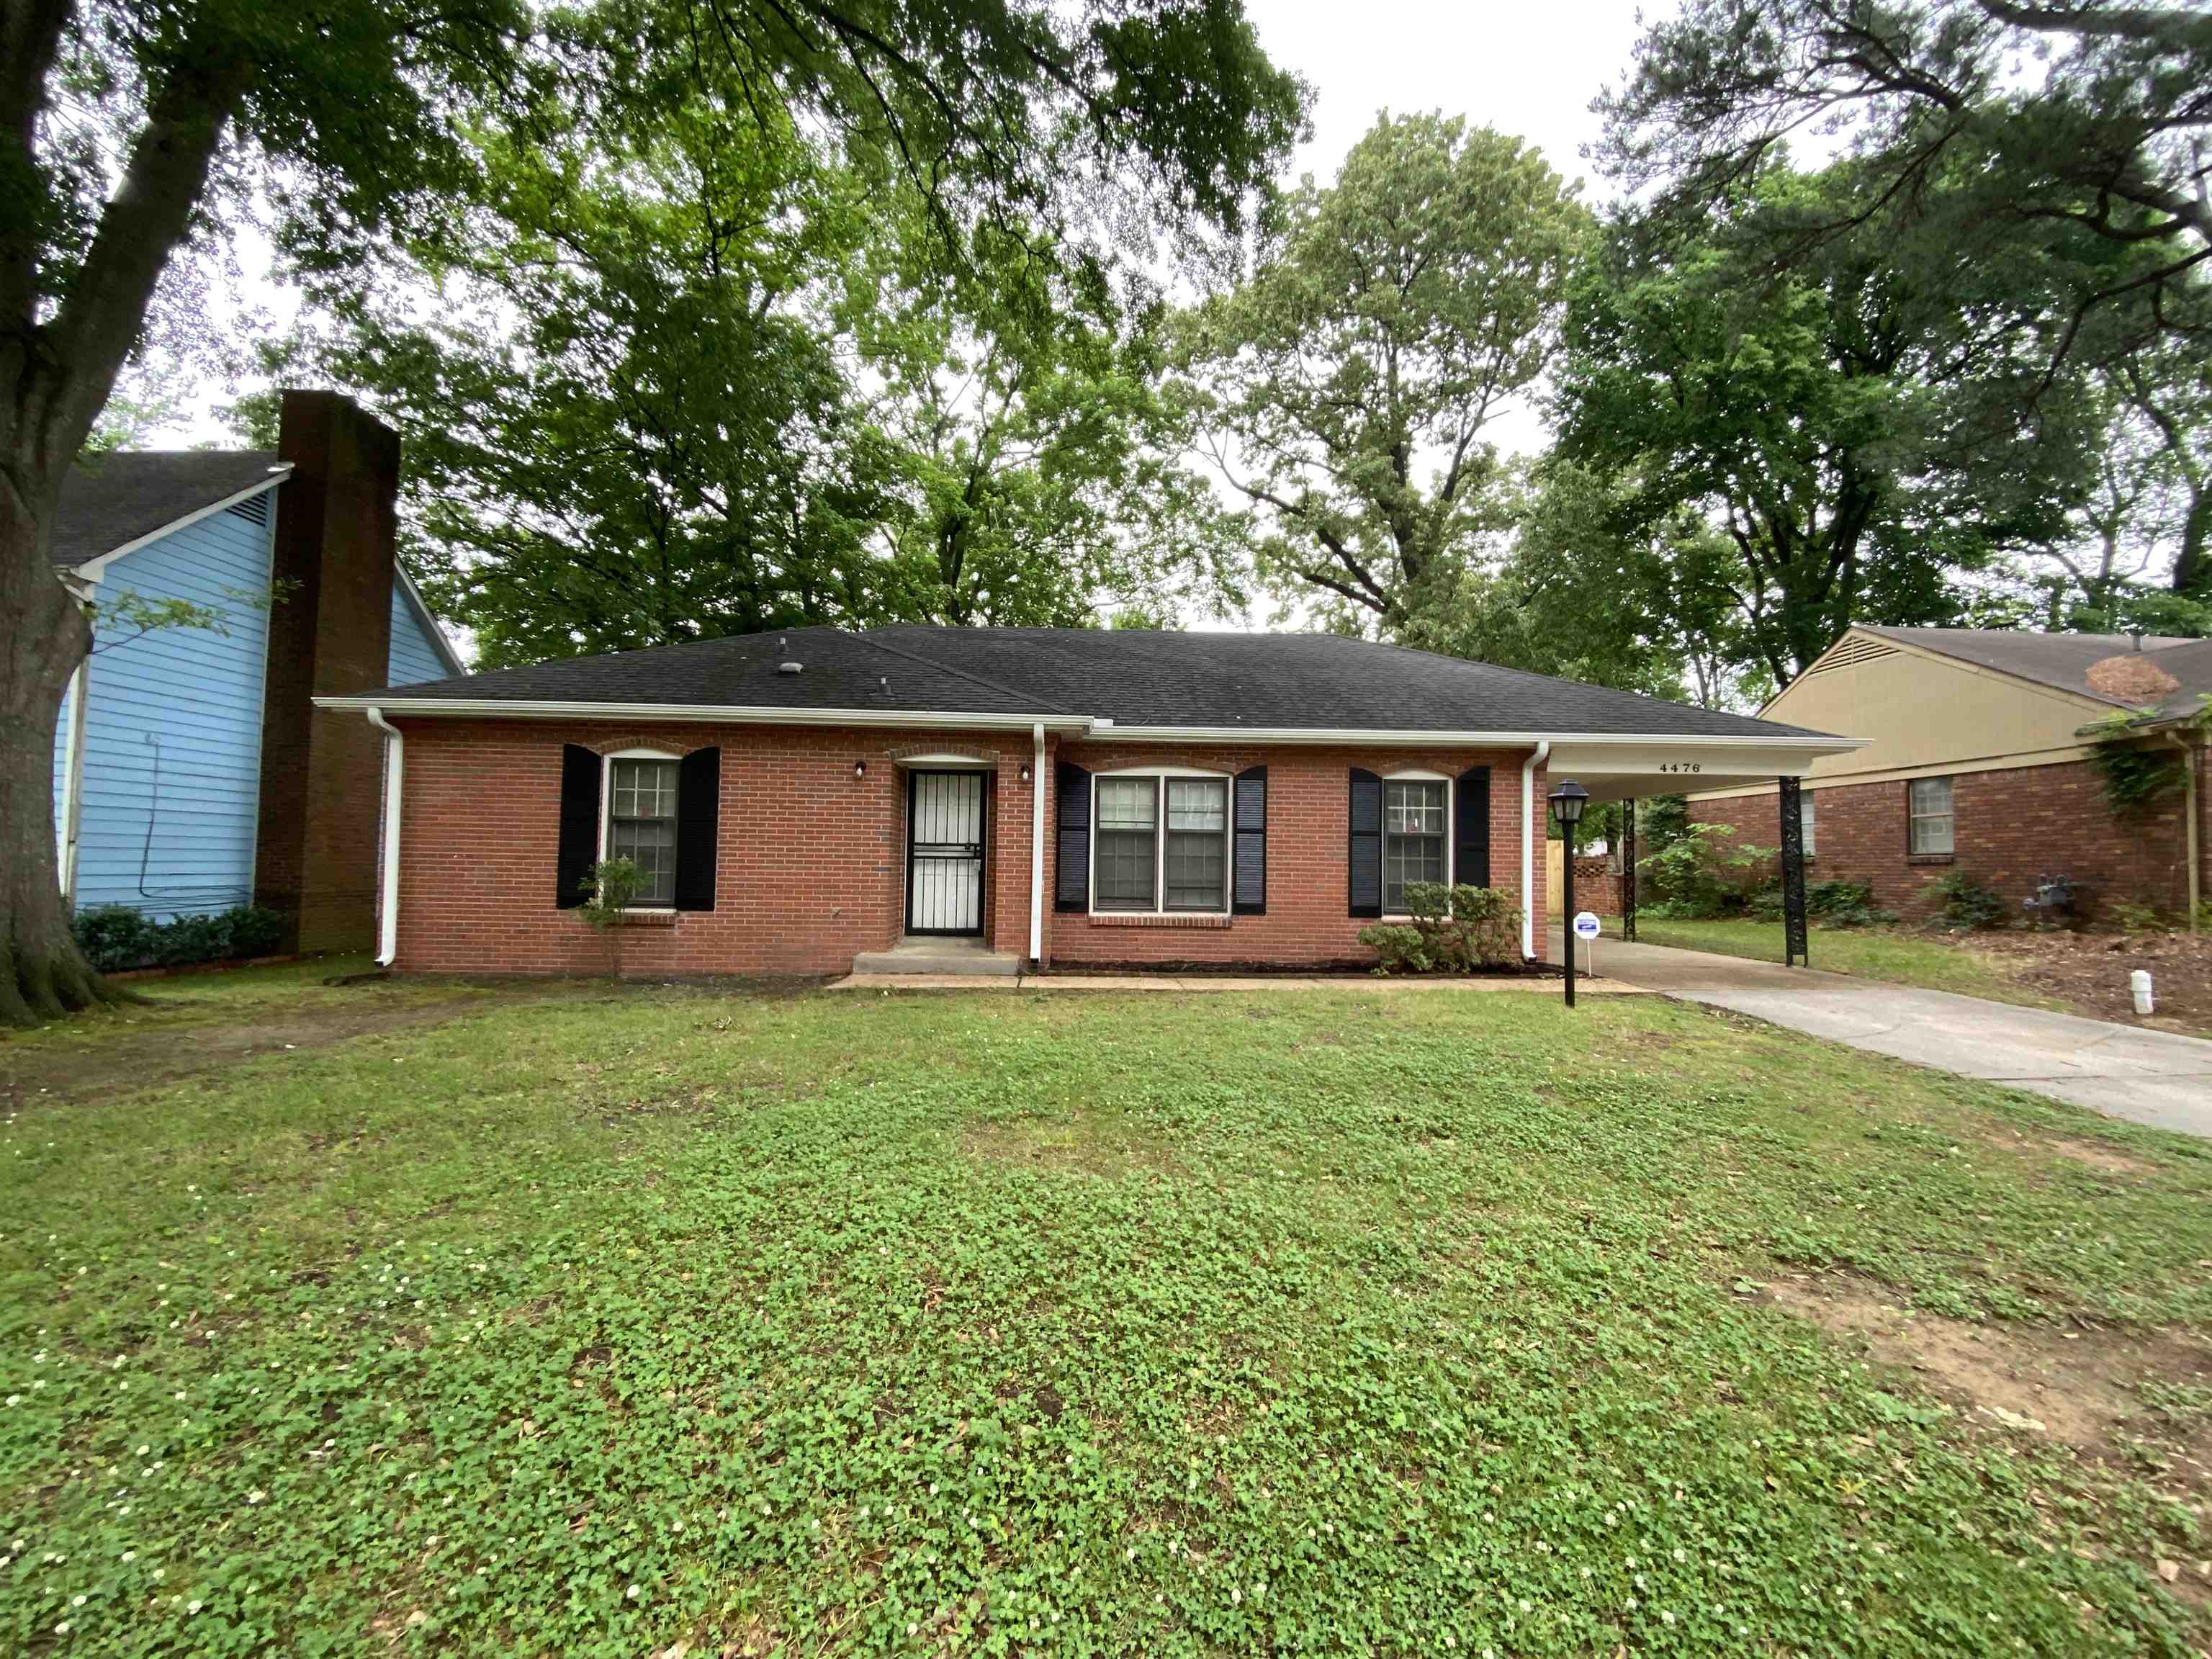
1846, 427
1352, 375
120, 119
2008, 122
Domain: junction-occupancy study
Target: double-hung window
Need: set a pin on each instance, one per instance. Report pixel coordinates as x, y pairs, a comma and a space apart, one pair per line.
1414, 816
1806, 815
642, 824
1142, 865
1928, 806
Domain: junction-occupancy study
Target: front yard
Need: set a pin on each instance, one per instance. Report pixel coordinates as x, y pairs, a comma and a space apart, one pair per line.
1393, 1320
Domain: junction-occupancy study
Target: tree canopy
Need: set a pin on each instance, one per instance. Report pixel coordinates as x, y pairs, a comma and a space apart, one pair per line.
1352, 375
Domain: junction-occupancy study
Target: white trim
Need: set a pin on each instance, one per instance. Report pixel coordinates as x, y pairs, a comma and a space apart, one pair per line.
395, 764
744, 714
423, 614
1537, 757
1161, 775
607, 808
1452, 826
72, 801
91, 568
1036, 843
632, 714
1399, 738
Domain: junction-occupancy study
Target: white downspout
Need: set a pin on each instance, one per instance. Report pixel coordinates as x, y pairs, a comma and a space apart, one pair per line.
1036, 844
395, 756
1537, 757
72, 802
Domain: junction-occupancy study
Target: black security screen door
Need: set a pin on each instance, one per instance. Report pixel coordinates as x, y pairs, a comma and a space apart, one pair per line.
944, 853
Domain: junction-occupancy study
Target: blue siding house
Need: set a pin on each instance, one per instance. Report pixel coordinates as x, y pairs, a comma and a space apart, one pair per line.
165, 735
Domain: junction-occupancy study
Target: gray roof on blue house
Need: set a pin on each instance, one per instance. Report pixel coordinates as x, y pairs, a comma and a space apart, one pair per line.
113, 499
1259, 682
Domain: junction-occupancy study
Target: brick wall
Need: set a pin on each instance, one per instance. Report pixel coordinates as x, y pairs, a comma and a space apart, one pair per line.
1308, 812
2011, 828
810, 861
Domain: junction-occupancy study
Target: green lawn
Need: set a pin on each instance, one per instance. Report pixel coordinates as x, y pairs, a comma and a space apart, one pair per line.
1902, 957
1379, 1322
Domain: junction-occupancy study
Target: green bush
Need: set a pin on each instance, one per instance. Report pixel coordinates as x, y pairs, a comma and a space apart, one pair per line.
1700, 874
1453, 930
1967, 903
2130, 917
115, 937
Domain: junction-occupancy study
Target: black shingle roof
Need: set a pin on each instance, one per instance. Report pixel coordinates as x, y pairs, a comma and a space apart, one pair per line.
114, 499
1304, 682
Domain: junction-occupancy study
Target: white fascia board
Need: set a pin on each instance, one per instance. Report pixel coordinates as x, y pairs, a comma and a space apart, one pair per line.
702, 713
1394, 738
90, 569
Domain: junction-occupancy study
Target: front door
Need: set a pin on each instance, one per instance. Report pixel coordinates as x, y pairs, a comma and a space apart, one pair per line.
944, 853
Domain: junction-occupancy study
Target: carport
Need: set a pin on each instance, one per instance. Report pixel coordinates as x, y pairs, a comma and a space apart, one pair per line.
1614, 770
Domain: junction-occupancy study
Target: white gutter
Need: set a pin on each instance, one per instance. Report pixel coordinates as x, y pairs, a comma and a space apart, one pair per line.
72, 801
1537, 757
702, 713
395, 757
1036, 844
1399, 737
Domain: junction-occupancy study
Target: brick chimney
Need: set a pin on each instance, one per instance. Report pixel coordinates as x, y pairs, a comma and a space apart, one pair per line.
329, 635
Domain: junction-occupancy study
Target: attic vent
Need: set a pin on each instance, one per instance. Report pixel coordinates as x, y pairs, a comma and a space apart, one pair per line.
254, 510
789, 667
1851, 653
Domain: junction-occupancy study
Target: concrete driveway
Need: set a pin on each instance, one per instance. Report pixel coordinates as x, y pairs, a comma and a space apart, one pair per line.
2150, 1077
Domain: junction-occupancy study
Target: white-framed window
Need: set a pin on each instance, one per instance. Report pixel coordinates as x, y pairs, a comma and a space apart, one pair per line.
1159, 844
637, 821
1416, 834
1806, 816
1934, 825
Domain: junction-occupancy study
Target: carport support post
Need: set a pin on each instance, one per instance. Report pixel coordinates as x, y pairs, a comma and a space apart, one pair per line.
1793, 876
1628, 870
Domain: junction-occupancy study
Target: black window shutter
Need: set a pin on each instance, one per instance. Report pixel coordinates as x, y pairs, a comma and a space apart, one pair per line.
1364, 858
580, 824
1070, 887
1250, 852
1471, 834
698, 826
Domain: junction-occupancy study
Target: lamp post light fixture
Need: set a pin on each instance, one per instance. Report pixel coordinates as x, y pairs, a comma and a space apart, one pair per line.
1567, 803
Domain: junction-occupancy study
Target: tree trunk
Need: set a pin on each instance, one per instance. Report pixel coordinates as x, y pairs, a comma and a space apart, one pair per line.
44, 634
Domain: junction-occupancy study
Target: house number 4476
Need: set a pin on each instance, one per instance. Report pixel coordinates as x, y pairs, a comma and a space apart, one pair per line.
1681, 766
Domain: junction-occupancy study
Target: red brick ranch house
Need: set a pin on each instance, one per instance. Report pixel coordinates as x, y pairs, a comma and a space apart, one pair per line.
800, 802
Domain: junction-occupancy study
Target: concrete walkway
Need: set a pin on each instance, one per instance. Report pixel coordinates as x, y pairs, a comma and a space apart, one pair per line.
2150, 1077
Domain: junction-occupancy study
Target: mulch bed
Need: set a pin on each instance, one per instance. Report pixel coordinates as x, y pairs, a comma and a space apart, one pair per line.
2090, 971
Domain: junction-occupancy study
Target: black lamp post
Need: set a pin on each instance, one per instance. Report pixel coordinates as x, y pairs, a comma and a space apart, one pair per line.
1567, 803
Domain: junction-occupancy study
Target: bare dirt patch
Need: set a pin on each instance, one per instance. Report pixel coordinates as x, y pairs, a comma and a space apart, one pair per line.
132, 1050
2082, 1388
2089, 973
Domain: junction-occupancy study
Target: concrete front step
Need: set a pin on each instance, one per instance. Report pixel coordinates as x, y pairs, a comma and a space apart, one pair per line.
938, 956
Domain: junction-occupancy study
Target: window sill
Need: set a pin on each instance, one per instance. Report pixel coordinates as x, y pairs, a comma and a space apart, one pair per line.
648, 919
1931, 858
1153, 919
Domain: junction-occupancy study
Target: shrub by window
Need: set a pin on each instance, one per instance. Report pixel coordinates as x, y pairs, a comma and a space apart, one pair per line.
1929, 804
1412, 837
641, 825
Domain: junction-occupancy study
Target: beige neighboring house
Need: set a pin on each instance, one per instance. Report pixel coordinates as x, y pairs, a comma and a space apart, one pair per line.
1978, 762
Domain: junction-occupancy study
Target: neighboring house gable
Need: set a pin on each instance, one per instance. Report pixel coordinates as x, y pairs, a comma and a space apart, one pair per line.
169, 776
419, 650
1920, 709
